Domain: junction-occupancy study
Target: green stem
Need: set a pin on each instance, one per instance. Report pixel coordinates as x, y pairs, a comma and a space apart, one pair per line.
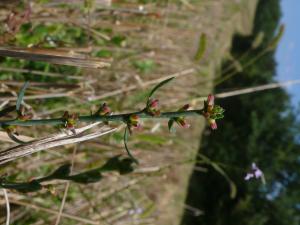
106, 118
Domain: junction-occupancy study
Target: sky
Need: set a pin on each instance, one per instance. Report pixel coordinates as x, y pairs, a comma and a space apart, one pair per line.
288, 51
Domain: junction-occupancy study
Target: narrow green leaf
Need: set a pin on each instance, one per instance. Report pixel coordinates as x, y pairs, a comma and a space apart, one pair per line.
126, 147
201, 47
21, 95
273, 44
258, 40
170, 125
159, 86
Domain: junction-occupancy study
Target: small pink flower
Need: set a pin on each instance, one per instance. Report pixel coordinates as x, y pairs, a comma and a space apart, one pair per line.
133, 121
210, 100
153, 103
213, 124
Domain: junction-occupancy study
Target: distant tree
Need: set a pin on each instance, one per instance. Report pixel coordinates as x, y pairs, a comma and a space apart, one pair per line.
258, 127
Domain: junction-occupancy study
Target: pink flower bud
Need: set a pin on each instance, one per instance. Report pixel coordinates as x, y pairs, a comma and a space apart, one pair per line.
70, 120
133, 121
213, 124
210, 100
185, 107
103, 110
153, 103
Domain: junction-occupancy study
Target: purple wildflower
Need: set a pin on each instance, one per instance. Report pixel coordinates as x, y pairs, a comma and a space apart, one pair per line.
256, 173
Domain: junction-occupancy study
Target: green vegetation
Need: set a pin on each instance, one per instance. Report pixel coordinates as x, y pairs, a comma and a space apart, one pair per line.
260, 128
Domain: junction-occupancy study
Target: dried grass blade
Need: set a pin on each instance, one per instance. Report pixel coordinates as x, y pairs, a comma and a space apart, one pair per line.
50, 142
54, 57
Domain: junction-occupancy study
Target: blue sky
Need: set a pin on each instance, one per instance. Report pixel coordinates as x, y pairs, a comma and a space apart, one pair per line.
288, 52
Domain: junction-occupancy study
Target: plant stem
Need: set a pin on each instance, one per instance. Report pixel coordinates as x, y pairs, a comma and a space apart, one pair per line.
106, 118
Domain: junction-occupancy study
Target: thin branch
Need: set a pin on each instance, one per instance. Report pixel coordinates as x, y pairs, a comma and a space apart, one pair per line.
105, 118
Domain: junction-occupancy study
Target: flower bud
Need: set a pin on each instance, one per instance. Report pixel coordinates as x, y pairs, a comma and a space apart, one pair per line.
70, 120
152, 107
103, 110
133, 121
182, 122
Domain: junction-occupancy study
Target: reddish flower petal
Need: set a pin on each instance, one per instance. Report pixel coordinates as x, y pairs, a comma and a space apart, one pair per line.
153, 103
210, 100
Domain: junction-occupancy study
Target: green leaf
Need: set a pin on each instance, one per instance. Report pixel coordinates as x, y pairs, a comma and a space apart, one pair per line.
21, 95
170, 125
159, 86
126, 147
119, 40
144, 66
104, 54
201, 48
273, 44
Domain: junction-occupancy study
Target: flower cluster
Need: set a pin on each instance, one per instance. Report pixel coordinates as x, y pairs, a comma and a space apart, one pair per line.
212, 112
133, 122
70, 121
152, 107
181, 120
104, 110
